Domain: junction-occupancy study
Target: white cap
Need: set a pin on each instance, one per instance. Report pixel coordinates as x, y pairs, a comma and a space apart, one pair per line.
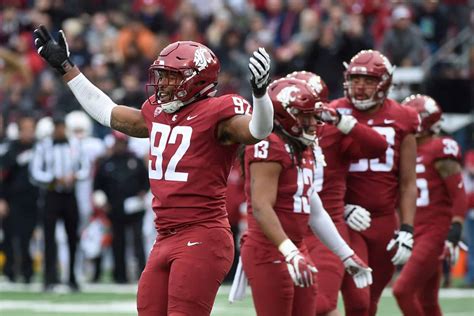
401, 12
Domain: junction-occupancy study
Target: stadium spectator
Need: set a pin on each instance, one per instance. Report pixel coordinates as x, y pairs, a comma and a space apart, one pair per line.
56, 165
403, 43
281, 202
391, 178
18, 202
432, 22
468, 176
122, 176
441, 207
193, 138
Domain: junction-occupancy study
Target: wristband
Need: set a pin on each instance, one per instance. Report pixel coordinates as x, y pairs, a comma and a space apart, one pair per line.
287, 247
346, 123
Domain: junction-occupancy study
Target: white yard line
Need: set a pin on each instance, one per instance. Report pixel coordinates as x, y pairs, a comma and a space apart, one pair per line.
127, 307
223, 290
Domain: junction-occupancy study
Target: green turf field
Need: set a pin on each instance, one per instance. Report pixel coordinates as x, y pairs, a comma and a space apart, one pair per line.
105, 300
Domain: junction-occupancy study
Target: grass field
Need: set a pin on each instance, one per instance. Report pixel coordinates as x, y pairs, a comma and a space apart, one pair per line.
108, 300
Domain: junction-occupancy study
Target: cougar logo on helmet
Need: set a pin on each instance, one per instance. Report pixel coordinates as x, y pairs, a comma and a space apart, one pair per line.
287, 95
295, 104
315, 81
200, 59
184, 72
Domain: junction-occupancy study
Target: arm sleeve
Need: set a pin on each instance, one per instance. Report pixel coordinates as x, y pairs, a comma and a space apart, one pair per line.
84, 165
454, 186
38, 167
261, 124
366, 142
322, 226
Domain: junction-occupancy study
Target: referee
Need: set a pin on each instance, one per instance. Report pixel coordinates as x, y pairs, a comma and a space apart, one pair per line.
57, 164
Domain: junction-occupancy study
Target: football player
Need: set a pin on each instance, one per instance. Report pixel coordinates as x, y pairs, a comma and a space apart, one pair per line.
339, 142
281, 200
193, 140
441, 207
379, 185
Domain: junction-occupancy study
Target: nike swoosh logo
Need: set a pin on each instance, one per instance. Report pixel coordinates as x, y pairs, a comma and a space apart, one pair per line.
189, 118
388, 121
190, 244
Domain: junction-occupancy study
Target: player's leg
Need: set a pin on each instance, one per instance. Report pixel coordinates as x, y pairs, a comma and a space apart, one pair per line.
356, 301
378, 236
428, 296
200, 260
420, 272
152, 296
272, 287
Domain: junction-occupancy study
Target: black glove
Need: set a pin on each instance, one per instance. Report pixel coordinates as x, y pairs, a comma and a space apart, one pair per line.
259, 66
55, 53
454, 234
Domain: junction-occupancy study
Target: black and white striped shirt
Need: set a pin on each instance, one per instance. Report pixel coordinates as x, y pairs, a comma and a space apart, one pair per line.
53, 160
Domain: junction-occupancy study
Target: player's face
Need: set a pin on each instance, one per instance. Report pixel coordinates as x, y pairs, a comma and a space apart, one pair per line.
309, 122
363, 87
168, 81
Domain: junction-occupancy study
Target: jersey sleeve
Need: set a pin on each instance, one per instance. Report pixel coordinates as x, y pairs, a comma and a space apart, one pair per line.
412, 120
271, 149
364, 142
230, 105
447, 148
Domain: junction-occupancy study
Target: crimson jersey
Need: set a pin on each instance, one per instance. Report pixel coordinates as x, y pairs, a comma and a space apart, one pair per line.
433, 203
338, 149
188, 167
292, 203
379, 175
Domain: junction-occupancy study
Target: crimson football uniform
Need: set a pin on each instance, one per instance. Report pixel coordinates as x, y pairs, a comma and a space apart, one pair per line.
330, 183
373, 184
188, 170
273, 290
417, 286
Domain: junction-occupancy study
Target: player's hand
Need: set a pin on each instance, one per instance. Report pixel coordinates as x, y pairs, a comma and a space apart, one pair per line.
328, 115
450, 253
357, 217
403, 241
451, 248
300, 270
259, 66
358, 269
55, 53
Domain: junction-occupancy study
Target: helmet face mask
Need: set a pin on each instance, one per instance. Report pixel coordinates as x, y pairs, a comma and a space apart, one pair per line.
368, 63
183, 73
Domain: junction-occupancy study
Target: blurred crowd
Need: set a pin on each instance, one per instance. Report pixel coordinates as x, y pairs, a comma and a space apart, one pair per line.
114, 41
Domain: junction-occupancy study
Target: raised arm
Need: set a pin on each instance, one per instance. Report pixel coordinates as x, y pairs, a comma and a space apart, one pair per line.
95, 102
243, 128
